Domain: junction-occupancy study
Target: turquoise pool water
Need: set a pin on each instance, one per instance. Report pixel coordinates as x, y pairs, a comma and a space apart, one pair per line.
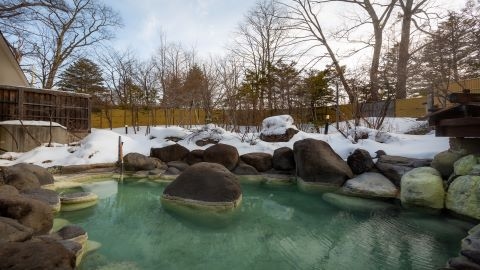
275, 228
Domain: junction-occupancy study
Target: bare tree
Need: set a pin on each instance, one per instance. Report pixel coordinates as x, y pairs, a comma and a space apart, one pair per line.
261, 42
303, 17
119, 73
58, 34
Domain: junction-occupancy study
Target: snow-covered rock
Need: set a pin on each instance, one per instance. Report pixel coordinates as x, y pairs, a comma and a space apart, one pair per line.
279, 128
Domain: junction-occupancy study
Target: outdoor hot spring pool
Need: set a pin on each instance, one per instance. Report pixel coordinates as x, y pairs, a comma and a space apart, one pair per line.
275, 228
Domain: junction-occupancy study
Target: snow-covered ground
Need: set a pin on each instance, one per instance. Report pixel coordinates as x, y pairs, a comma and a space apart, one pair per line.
101, 145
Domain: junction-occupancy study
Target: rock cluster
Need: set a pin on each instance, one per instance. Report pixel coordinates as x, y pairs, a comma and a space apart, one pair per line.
26, 219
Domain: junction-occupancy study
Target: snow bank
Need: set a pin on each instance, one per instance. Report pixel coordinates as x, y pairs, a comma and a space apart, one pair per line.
101, 145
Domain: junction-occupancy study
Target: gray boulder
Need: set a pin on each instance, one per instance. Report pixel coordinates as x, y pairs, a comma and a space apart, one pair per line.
36, 254
25, 176
207, 182
394, 167
12, 231
245, 169
47, 196
224, 154
317, 162
370, 185
7, 190
139, 162
194, 156
360, 161
172, 171
180, 165
283, 159
422, 187
170, 153
260, 161
28, 212
463, 196
465, 165
443, 162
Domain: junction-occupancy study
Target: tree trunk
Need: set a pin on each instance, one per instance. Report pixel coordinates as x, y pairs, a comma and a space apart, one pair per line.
375, 65
403, 51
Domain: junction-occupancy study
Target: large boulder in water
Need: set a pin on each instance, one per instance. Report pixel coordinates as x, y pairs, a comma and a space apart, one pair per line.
207, 182
422, 187
223, 154
139, 162
260, 161
278, 128
25, 176
28, 212
463, 196
370, 185
283, 159
204, 185
36, 254
317, 162
394, 167
169, 153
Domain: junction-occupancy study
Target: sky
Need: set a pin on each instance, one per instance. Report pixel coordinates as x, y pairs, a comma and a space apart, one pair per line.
206, 25
203, 24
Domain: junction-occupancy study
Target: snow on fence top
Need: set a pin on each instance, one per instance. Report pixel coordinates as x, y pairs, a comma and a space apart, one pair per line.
31, 123
277, 125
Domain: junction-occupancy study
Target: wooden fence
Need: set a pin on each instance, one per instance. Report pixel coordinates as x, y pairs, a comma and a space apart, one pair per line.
117, 117
68, 109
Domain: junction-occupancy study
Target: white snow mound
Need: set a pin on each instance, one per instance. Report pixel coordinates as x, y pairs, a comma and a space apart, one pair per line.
277, 125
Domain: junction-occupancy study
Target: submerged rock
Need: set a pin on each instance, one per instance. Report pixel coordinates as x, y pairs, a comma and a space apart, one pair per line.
463, 196
78, 200
317, 162
422, 187
370, 185
223, 154
356, 204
